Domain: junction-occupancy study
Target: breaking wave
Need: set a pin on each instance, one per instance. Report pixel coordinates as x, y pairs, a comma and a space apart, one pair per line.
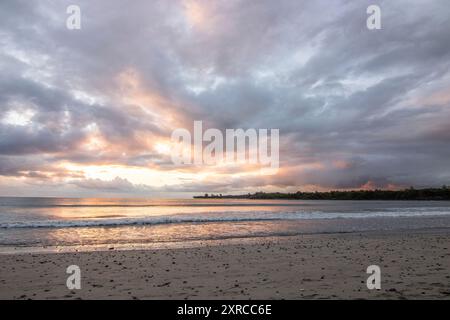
217, 218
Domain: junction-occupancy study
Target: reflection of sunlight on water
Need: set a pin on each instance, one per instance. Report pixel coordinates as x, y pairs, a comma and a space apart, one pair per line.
101, 209
162, 233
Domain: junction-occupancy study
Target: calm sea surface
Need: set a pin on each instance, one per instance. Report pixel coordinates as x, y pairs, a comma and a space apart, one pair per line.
99, 223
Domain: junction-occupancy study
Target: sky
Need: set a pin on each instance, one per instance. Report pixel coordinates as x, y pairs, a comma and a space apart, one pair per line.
90, 112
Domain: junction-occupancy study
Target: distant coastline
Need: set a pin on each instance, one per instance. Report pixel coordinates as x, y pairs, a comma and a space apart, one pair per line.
442, 193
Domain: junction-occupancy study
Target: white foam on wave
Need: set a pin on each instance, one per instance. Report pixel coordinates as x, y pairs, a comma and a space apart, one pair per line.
222, 217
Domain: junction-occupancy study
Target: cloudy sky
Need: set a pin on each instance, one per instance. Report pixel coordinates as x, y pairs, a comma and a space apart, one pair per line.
90, 112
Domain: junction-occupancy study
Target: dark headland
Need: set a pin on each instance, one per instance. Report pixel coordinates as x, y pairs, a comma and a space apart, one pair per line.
442, 193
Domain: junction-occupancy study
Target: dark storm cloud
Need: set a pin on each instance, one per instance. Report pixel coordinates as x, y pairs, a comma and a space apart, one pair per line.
353, 106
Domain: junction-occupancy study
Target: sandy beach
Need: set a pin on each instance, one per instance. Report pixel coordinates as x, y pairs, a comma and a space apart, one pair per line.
414, 265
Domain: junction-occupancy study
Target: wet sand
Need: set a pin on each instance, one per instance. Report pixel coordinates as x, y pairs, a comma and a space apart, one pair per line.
414, 265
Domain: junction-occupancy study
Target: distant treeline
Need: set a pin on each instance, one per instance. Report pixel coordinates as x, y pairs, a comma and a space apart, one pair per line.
406, 194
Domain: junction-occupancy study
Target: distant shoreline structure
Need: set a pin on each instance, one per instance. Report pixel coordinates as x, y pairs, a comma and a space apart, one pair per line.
442, 193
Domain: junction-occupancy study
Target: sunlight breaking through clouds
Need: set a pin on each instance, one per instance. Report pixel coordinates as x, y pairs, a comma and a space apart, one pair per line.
92, 110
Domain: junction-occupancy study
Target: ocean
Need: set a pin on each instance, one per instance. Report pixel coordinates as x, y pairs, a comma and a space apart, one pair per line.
63, 224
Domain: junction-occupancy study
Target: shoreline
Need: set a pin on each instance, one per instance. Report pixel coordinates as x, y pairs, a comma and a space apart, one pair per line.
415, 265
